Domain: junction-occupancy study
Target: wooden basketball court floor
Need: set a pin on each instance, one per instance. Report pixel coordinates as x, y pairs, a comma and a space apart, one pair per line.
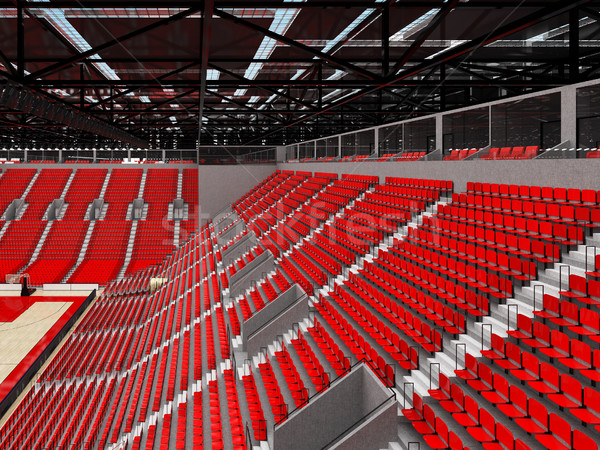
27, 326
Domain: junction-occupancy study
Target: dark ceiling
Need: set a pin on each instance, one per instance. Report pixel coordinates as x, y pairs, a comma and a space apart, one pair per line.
277, 72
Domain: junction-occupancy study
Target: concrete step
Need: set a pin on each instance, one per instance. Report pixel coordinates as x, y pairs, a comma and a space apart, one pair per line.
105, 184
40, 244
129, 251
68, 184
83, 250
176, 233
30, 185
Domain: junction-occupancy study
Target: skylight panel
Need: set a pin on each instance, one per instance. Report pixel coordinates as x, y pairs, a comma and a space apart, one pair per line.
453, 43
555, 32
282, 21
349, 29
415, 26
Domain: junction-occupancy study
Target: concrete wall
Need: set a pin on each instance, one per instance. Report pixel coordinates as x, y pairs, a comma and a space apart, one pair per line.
252, 272
238, 249
276, 318
219, 186
339, 409
568, 173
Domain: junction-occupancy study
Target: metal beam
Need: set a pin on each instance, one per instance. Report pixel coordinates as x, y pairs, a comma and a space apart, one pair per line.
314, 4
83, 55
591, 12
460, 50
157, 81
385, 39
20, 41
253, 84
306, 83
574, 45
7, 64
344, 65
240, 104
207, 14
423, 35
151, 109
513, 73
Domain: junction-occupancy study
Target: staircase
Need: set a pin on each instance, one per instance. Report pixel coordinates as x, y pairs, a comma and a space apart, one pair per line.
24, 196
4, 228
83, 250
69, 181
39, 246
177, 230
105, 185
133, 230
31, 183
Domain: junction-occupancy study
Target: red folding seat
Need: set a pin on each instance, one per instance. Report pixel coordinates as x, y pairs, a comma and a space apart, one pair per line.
412, 362
531, 151
577, 287
517, 153
504, 437
551, 308
568, 316
512, 361
454, 442
582, 441
456, 401
593, 293
590, 411
493, 154
593, 373
524, 328
443, 391
581, 356
588, 196
530, 370
559, 345
504, 153
497, 350
440, 440
486, 432
540, 336
470, 416
549, 382
570, 394
537, 420
427, 425
470, 372
500, 393
485, 380
560, 434
517, 406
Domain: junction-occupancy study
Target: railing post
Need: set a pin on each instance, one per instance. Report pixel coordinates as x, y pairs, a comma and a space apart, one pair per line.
535, 295
587, 247
262, 356
508, 309
431, 365
560, 275
464, 352
486, 326
404, 396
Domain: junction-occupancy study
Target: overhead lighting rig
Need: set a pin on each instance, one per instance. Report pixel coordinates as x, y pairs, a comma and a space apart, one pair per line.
20, 98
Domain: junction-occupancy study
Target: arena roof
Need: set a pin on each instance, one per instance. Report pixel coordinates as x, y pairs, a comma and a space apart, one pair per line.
275, 72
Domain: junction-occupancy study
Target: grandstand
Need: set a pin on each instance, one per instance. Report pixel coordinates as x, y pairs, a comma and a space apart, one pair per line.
300, 225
